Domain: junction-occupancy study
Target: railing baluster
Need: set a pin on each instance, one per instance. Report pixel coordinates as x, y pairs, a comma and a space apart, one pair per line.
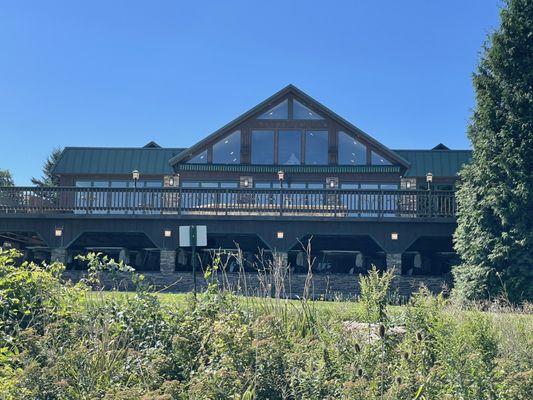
226, 201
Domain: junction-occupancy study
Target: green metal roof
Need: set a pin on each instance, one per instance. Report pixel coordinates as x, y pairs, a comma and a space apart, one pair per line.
108, 160
112, 160
438, 162
326, 169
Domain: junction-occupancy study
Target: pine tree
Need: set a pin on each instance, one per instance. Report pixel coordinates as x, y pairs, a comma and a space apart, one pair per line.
494, 237
48, 178
6, 179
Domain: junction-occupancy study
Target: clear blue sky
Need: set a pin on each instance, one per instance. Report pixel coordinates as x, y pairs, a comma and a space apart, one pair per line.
122, 73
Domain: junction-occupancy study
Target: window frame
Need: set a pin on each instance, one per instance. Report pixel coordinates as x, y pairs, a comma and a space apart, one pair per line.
239, 156
367, 147
274, 149
301, 160
289, 111
334, 131
305, 132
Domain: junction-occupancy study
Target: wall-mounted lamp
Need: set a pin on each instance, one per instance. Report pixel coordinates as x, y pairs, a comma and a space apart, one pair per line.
171, 181
394, 236
408, 184
135, 175
280, 235
429, 179
332, 182
58, 231
246, 183
281, 175
167, 233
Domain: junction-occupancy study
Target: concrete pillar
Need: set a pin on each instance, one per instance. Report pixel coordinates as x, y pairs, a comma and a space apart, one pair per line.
394, 261
124, 256
59, 255
167, 260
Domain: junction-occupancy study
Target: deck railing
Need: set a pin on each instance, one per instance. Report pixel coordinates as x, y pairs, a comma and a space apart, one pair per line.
208, 201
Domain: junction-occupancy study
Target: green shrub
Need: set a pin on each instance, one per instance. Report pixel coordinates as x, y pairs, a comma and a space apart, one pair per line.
374, 292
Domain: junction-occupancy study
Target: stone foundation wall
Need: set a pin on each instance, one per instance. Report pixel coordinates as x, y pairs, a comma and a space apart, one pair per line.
322, 286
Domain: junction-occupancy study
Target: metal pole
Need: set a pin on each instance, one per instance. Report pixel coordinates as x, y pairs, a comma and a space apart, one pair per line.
193, 244
281, 197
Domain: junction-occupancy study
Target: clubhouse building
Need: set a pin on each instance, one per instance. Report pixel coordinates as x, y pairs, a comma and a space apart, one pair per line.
286, 173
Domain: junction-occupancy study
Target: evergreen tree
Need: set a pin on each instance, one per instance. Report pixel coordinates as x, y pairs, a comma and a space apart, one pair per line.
48, 178
6, 179
495, 199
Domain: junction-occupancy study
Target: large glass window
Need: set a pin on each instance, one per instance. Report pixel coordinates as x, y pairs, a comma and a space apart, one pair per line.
262, 147
316, 147
209, 184
228, 150
190, 184
120, 200
379, 160
99, 199
351, 151
281, 111
82, 197
200, 158
289, 147
299, 111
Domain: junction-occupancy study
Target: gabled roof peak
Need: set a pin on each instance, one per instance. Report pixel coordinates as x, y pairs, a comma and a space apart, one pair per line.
441, 146
151, 145
307, 100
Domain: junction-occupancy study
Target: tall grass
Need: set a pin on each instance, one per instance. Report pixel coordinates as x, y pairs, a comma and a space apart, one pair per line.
64, 341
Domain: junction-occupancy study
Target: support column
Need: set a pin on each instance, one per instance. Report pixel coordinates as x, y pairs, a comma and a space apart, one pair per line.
394, 261
124, 256
167, 260
59, 255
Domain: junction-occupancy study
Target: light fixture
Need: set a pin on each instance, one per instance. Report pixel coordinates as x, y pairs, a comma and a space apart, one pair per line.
58, 231
332, 184
408, 184
394, 236
135, 175
167, 233
171, 181
280, 235
246, 183
281, 175
429, 177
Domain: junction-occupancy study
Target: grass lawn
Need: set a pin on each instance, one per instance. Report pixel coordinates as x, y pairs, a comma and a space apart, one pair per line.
338, 310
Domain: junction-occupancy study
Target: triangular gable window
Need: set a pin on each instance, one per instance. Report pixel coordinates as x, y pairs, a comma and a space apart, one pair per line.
379, 160
299, 111
200, 158
228, 150
351, 151
281, 111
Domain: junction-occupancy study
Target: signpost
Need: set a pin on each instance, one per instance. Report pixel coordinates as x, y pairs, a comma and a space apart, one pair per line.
193, 236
